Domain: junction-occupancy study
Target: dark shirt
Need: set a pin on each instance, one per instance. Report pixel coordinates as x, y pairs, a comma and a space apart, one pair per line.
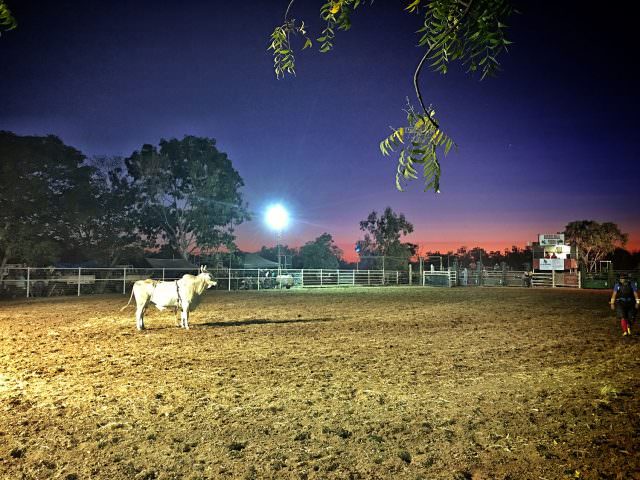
624, 293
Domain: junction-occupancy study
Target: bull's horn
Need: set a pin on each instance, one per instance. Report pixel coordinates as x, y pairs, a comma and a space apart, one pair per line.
204, 268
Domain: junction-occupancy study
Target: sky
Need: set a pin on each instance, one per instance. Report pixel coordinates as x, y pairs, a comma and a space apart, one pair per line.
548, 141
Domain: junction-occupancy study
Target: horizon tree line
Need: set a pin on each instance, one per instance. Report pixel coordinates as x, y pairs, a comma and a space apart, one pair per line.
184, 197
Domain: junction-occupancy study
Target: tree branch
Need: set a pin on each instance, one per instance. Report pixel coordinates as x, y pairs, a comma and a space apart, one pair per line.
286, 13
163, 211
426, 55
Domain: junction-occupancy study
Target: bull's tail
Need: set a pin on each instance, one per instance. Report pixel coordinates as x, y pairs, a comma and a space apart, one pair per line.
129, 302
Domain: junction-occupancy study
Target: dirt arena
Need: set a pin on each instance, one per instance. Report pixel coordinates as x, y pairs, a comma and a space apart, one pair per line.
382, 383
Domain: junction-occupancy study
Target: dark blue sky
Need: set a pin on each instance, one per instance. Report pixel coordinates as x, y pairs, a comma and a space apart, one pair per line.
550, 140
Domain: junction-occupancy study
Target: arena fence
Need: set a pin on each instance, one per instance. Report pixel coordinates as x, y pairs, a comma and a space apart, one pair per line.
445, 278
48, 282
500, 278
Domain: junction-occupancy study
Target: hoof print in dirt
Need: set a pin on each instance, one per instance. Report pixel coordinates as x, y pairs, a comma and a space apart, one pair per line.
405, 456
18, 452
463, 476
302, 436
147, 475
237, 446
339, 431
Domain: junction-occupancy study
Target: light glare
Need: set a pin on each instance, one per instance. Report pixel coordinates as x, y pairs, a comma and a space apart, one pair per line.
277, 217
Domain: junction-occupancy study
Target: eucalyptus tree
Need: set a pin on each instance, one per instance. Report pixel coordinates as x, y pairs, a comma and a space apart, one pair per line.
594, 240
472, 32
383, 238
105, 226
44, 184
321, 253
188, 195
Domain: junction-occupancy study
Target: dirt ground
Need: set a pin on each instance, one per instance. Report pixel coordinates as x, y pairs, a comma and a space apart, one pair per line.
318, 384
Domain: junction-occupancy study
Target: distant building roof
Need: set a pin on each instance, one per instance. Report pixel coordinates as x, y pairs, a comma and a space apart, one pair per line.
253, 260
170, 263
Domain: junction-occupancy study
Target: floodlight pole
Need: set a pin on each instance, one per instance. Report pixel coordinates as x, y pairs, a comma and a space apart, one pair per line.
278, 239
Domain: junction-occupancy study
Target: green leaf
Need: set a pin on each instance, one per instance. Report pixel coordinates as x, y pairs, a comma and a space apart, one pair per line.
412, 7
447, 146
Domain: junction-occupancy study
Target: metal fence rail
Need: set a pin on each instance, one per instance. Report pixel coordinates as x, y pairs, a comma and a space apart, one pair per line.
445, 278
542, 280
48, 282
257, 279
557, 280
501, 278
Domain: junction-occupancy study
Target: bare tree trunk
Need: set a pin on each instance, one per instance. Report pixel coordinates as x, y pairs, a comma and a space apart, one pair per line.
5, 259
101, 287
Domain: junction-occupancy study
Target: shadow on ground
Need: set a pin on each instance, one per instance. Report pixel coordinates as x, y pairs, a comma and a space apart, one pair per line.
261, 321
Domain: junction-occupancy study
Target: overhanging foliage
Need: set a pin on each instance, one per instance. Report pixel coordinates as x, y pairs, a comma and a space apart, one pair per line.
471, 32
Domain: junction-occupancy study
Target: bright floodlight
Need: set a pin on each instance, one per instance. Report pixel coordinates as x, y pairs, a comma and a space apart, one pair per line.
277, 217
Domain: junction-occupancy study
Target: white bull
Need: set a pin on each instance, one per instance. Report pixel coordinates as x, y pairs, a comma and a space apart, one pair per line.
184, 294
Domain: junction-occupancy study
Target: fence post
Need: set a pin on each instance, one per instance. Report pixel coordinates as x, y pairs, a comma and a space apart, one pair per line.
302, 277
320, 277
397, 277
229, 278
163, 274
410, 274
579, 279
353, 278
338, 281
368, 278
124, 281
258, 279
79, 273
28, 280
553, 278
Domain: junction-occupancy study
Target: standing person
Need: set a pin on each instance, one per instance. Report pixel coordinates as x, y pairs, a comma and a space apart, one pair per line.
625, 301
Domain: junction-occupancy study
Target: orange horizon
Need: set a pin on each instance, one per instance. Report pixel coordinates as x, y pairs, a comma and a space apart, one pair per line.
350, 255
430, 236
444, 247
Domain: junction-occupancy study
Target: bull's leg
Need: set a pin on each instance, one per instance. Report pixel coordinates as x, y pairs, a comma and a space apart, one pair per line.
140, 317
175, 315
185, 317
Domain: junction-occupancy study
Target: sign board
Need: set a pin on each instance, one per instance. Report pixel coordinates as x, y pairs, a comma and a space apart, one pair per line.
557, 251
551, 239
551, 264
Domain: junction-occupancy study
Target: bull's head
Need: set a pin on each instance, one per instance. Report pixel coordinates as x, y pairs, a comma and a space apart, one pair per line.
208, 279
